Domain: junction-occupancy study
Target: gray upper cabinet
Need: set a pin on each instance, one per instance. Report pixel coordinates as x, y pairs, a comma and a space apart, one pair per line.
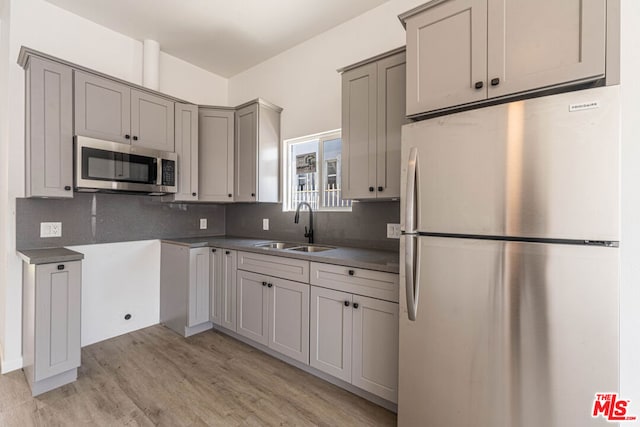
152, 121
464, 51
257, 152
186, 146
373, 112
216, 142
106, 109
49, 129
102, 108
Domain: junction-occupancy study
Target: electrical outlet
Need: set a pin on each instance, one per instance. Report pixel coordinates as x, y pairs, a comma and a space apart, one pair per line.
393, 231
203, 223
50, 229
265, 223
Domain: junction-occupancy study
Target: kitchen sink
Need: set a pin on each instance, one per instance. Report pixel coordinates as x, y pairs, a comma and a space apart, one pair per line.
311, 248
277, 245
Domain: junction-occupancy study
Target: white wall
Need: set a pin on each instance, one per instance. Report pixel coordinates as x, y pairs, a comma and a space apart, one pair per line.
44, 27
119, 279
630, 243
303, 80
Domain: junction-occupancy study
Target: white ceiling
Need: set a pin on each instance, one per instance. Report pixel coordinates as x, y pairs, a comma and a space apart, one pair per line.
223, 36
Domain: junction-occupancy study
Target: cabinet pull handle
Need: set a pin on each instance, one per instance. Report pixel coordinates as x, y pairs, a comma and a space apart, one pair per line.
213, 250
380, 188
227, 252
230, 195
135, 138
479, 85
60, 266
372, 189
253, 194
355, 305
264, 283
193, 194
351, 272
495, 82
269, 285
346, 303
127, 136
67, 188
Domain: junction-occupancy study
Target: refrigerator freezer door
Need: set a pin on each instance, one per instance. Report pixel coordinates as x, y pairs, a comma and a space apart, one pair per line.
542, 168
509, 334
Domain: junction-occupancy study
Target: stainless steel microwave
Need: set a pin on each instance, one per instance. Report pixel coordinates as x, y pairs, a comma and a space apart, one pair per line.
111, 166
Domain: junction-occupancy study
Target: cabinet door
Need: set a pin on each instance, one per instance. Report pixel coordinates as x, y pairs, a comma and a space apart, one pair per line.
102, 108
228, 296
152, 121
216, 135
216, 275
375, 346
392, 91
359, 103
246, 153
49, 130
198, 286
544, 43
57, 325
331, 329
187, 150
447, 55
289, 318
252, 307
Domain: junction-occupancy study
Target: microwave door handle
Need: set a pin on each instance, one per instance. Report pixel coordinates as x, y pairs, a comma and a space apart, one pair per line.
158, 166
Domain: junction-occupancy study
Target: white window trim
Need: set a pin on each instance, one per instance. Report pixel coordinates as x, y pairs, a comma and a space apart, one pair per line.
286, 171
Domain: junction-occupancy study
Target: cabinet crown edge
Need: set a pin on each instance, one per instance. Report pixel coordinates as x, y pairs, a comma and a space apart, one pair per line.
375, 58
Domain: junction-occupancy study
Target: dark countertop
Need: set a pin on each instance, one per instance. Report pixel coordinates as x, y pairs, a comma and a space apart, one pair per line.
49, 256
370, 259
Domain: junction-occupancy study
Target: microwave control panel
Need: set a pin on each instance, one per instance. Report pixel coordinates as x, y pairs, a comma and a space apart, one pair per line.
168, 172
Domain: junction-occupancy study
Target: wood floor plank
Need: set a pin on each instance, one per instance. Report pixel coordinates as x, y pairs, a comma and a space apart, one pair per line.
156, 377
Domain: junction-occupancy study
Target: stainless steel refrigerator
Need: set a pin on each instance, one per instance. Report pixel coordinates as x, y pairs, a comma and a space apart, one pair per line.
509, 263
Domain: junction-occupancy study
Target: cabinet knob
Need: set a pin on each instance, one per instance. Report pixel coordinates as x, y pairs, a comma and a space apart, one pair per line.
67, 188
269, 285
127, 136
193, 194
355, 305
135, 138
227, 252
479, 85
213, 250
264, 283
372, 189
253, 194
351, 272
495, 82
380, 188
60, 266
230, 195
346, 303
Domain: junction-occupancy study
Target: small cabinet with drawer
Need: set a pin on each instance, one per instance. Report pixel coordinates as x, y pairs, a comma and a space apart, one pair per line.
354, 327
272, 310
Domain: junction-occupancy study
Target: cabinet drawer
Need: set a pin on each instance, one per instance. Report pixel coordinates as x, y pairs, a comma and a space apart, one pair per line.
287, 268
375, 284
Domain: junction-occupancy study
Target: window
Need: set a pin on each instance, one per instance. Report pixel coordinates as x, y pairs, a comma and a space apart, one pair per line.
312, 172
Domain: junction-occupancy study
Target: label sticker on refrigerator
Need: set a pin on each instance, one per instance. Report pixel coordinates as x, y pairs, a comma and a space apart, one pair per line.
584, 106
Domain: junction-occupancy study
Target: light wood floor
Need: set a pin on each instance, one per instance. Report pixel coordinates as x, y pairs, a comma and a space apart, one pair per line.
155, 377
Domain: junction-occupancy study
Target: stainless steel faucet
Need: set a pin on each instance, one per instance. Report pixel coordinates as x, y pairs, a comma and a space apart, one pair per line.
307, 233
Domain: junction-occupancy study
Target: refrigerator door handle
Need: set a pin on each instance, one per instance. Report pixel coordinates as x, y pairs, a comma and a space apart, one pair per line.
412, 275
411, 195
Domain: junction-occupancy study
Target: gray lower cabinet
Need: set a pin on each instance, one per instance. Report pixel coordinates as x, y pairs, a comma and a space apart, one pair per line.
49, 129
257, 152
184, 288
223, 287
373, 112
275, 313
216, 157
51, 324
106, 109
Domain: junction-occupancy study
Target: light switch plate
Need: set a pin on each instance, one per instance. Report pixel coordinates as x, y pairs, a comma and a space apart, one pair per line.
203, 223
265, 223
50, 229
393, 231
